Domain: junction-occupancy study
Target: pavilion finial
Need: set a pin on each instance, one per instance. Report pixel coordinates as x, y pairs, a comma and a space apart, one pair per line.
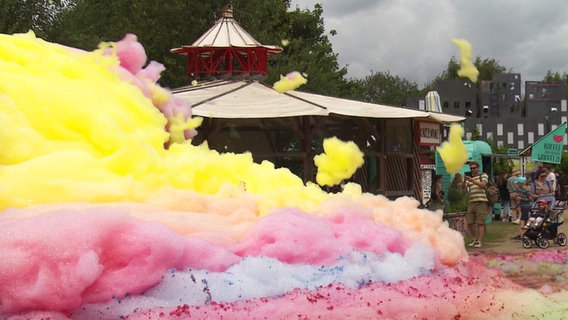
227, 11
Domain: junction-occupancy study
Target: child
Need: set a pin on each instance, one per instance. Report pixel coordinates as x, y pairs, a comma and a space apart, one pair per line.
538, 214
524, 201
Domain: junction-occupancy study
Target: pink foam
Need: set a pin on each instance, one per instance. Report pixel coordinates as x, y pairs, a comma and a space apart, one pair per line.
131, 53
293, 236
59, 260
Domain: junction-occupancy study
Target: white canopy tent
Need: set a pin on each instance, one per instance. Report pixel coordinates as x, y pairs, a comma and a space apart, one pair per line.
250, 99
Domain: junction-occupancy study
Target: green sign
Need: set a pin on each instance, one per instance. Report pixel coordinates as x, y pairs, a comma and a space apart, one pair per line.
549, 148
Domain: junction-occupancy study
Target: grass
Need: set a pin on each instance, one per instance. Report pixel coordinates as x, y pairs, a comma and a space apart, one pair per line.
498, 231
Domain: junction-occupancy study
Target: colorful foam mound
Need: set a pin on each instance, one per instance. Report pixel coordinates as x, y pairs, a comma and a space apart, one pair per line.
107, 212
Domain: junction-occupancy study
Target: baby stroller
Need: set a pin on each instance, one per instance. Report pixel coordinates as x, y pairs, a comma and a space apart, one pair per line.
548, 229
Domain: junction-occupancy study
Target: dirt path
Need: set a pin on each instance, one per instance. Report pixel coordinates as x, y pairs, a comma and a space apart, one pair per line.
507, 245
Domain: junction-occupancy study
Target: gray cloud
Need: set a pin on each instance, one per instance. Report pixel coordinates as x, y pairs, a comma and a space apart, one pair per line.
412, 38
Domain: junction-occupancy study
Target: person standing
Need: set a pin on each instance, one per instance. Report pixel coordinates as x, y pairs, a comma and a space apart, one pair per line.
437, 194
478, 205
551, 178
524, 201
515, 211
501, 181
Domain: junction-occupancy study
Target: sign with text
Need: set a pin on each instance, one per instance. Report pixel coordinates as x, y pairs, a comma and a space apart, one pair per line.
549, 148
429, 133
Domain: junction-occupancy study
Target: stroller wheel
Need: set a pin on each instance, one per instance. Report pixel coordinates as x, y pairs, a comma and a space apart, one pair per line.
561, 239
527, 243
542, 242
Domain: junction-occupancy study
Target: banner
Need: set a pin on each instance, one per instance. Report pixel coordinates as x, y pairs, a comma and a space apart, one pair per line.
429, 133
549, 147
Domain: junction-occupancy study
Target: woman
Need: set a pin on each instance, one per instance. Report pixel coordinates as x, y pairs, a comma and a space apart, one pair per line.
437, 194
542, 189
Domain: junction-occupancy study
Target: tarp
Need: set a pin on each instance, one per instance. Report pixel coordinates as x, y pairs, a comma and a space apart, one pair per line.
224, 34
250, 99
549, 147
245, 100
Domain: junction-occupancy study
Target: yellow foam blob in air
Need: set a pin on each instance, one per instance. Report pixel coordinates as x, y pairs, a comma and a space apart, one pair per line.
339, 161
291, 81
467, 69
454, 152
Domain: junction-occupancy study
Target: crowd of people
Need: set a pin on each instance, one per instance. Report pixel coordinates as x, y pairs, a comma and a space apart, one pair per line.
518, 195
542, 186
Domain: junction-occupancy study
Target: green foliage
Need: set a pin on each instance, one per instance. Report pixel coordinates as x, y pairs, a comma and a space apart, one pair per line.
456, 200
383, 88
475, 135
562, 168
162, 25
495, 148
159, 24
40, 16
502, 165
486, 67
556, 77
308, 51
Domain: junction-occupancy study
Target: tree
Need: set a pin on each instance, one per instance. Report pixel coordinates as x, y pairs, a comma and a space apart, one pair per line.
159, 24
165, 24
556, 77
20, 16
475, 135
309, 51
487, 69
384, 88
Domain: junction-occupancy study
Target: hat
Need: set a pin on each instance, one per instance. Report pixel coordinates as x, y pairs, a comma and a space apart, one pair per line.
521, 180
516, 171
542, 201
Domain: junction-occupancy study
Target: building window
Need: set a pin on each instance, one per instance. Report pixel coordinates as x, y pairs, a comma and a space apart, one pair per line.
489, 136
500, 143
480, 129
446, 105
520, 144
540, 129
530, 137
510, 138
520, 129
468, 104
499, 129
531, 96
456, 104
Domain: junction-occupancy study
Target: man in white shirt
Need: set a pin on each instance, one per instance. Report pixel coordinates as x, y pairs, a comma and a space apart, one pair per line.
551, 178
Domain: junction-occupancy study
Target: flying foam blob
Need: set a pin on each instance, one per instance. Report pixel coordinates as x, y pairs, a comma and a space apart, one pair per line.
467, 69
339, 161
291, 81
454, 152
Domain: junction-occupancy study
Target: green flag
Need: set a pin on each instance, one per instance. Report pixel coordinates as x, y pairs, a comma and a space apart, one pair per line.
549, 148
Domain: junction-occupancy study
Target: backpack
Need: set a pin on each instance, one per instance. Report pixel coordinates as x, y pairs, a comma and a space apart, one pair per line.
492, 192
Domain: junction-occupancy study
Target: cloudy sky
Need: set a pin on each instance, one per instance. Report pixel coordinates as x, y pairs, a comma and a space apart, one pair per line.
412, 38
